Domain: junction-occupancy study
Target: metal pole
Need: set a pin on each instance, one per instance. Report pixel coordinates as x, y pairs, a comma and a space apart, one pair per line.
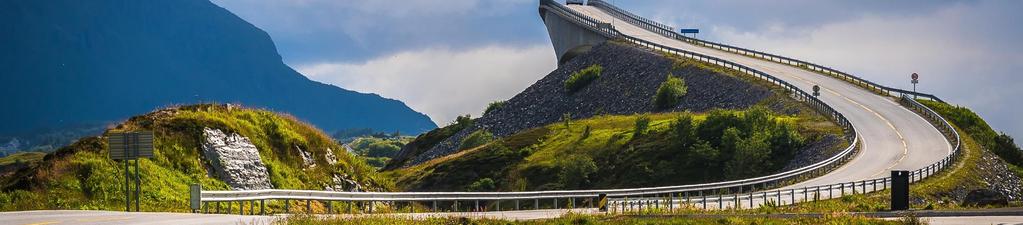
127, 176
262, 207
138, 181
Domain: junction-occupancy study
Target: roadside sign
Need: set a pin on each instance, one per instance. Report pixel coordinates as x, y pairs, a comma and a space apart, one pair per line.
816, 90
916, 78
130, 145
689, 31
602, 202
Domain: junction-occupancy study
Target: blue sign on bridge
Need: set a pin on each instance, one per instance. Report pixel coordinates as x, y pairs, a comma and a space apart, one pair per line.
689, 31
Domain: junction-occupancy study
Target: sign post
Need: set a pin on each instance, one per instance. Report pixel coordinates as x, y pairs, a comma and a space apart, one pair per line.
816, 91
127, 146
916, 79
900, 190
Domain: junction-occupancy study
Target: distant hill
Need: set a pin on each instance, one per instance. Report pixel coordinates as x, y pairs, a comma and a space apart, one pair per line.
204, 144
70, 63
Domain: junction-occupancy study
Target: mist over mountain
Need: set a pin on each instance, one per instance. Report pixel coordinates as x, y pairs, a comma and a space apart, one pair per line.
70, 63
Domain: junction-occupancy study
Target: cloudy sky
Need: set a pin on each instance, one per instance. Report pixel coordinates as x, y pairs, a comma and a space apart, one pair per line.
452, 57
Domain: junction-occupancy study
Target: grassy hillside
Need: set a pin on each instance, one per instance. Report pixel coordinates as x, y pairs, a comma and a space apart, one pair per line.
81, 176
614, 151
377, 150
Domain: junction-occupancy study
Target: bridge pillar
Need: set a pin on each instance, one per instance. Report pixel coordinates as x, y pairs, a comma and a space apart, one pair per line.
569, 39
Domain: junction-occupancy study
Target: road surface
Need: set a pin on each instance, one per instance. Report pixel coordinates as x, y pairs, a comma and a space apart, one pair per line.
892, 137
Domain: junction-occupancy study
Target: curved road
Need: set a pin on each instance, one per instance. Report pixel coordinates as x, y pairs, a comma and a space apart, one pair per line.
892, 137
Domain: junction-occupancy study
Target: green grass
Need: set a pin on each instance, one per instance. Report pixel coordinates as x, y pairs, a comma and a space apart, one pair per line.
377, 151
581, 78
81, 176
22, 157
607, 152
575, 219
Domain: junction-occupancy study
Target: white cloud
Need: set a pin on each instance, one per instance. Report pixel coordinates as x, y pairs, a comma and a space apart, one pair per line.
440, 82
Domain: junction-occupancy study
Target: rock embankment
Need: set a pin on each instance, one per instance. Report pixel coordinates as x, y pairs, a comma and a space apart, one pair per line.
235, 160
629, 80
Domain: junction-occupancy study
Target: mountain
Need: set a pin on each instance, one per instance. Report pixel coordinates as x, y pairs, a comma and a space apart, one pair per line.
69, 63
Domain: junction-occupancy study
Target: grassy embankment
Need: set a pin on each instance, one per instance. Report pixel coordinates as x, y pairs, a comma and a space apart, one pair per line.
629, 150
81, 176
935, 192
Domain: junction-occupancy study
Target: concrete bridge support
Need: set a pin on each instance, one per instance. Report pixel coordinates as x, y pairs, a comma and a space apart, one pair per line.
569, 39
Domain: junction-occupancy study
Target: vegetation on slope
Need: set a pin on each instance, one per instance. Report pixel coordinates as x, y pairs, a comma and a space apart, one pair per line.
377, 150
81, 176
945, 190
425, 141
998, 143
22, 157
615, 151
670, 92
581, 78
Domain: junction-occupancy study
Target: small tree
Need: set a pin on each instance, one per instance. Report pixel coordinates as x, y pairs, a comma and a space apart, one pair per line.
670, 92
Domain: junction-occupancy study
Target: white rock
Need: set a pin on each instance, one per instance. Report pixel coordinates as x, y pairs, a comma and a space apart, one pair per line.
235, 160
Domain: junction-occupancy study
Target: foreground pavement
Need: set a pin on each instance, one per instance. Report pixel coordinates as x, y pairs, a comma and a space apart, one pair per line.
47, 217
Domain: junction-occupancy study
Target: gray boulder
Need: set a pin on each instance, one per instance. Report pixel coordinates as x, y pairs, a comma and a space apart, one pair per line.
235, 160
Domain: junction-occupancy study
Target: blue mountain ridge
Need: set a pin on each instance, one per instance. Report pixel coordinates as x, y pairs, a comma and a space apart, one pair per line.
69, 63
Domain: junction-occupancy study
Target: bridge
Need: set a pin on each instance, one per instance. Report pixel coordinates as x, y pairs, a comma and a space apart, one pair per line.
887, 130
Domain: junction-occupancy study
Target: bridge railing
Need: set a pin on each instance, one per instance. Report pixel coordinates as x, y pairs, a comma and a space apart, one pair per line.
667, 31
726, 192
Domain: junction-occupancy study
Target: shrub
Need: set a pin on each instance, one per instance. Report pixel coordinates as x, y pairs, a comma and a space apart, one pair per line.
493, 106
476, 139
642, 125
580, 79
485, 184
670, 92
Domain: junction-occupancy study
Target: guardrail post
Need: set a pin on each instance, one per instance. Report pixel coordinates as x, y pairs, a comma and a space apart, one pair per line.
330, 207
477, 209
536, 203
372, 204
262, 207
287, 205
218, 207
516, 204
309, 206
704, 201
229, 206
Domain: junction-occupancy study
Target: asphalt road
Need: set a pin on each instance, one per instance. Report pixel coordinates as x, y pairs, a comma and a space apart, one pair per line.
892, 137
47, 217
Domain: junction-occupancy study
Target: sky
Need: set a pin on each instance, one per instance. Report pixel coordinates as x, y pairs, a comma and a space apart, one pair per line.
453, 57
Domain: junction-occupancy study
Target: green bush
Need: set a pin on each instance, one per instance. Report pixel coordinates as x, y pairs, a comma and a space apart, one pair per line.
670, 92
476, 139
580, 79
485, 184
493, 106
641, 126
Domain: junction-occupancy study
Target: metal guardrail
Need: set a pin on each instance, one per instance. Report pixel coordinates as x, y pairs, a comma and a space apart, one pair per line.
668, 32
651, 196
